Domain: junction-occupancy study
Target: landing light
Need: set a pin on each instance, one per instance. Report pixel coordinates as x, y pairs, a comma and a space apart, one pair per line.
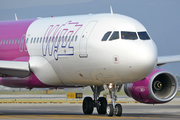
110, 86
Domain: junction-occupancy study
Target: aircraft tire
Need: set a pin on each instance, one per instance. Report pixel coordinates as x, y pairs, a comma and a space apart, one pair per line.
102, 109
118, 111
109, 110
88, 105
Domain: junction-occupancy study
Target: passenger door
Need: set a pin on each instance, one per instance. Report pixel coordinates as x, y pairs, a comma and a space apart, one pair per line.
84, 39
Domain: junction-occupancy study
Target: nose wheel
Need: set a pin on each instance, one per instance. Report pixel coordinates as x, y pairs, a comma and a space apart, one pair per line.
112, 108
110, 111
118, 110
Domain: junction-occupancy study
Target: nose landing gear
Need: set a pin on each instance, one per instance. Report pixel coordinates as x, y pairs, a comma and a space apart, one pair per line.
112, 108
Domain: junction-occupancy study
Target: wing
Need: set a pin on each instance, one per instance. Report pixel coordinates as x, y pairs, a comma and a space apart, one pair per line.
168, 59
14, 68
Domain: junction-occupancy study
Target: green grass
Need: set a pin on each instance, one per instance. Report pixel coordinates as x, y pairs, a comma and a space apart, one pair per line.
41, 92
21, 92
85, 92
178, 93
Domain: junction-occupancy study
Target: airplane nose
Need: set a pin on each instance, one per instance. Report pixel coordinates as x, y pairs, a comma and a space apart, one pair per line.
142, 59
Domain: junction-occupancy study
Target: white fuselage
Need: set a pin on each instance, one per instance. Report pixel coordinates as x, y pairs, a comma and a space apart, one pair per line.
86, 59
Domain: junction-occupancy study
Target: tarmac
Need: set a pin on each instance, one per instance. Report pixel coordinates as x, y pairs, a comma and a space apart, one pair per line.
67, 110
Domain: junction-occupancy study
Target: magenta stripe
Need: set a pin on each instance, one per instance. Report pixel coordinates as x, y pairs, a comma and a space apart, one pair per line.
12, 30
9, 50
29, 82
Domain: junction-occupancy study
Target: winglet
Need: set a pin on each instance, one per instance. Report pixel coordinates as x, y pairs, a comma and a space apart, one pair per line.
16, 17
111, 10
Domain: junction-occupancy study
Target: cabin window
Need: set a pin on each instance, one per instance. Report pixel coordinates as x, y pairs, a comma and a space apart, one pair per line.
76, 38
22, 40
128, 35
40, 39
10, 41
18, 40
26, 40
31, 40
69, 38
46, 39
49, 40
7, 41
62, 39
66, 39
59, 39
34, 39
56, 39
52, 39
37, 40
13, 41
1, 41
4, 41
72, 38
143, 35
106, 36
114, 36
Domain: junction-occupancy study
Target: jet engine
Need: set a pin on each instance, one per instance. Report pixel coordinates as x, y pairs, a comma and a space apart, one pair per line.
159, 87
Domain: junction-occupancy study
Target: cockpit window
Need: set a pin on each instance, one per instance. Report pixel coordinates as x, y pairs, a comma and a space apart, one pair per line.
106, 36
128, 35
143, 35
114, 36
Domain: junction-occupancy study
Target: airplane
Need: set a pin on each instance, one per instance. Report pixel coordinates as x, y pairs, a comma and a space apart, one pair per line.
93, 50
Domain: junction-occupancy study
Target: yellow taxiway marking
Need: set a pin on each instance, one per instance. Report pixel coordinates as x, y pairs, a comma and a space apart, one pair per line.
66, 117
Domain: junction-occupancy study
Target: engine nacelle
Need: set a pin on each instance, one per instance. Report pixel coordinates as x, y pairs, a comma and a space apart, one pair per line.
159, 87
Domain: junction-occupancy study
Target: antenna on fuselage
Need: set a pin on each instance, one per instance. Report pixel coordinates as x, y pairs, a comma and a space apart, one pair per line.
16, 17
111, 10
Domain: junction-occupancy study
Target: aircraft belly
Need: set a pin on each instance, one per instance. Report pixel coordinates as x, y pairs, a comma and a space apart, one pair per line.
72, 75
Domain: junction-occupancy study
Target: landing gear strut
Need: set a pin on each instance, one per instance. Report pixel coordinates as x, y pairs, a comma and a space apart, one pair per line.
99, 102
112, 108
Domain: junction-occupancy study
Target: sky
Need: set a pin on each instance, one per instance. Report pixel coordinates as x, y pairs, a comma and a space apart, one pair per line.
160, 17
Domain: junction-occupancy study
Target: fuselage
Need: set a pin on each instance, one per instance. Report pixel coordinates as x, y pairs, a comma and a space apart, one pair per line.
80, 50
